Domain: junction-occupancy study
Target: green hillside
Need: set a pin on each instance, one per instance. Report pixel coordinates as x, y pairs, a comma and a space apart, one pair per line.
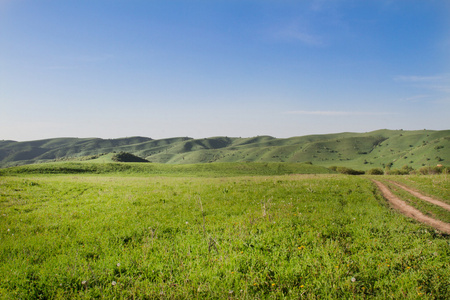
364, 151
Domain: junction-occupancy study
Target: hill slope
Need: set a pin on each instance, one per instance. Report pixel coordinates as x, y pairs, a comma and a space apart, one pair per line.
358, 150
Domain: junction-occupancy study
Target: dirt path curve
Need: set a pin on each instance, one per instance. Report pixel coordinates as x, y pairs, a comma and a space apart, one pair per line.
423, 197
410, 211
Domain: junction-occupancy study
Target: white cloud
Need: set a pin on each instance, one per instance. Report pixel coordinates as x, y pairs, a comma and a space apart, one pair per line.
417, 98
335, 113
436, 82
435, 86
444, 88
3, 3
295, 34
423, 79
94, 58
74, 62
61, 68
304, 37
301, 29
443, 100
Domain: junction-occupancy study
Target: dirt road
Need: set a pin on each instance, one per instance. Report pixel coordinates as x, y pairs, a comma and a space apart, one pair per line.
423, 197
410, 211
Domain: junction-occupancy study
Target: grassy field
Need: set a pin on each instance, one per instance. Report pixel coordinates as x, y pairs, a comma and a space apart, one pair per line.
246, 237
429, 209
193, 170
434, 186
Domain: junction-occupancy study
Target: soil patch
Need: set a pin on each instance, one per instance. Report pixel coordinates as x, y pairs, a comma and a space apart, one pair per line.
422, 197
410, 211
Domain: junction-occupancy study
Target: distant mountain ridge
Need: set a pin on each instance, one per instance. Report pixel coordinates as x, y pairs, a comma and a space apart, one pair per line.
358, 150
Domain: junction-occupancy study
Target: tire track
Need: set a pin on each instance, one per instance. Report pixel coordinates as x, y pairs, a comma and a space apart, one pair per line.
422, 197
410, 211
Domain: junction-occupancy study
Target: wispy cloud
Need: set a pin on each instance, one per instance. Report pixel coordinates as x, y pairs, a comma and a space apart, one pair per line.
302, 36
423, 79
3, 3
77, 62
445, 101
436, 82
335, 113
417, 98
314, 23
94, 58
61, 68
444, 88
439, 85
302, 29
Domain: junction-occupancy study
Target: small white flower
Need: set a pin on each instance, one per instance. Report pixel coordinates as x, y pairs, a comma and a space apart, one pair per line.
8, 230
118, 264
83, 282
187, 222
353, 279
113, 283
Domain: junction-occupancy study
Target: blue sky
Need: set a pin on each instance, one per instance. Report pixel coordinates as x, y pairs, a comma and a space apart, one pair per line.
116, 68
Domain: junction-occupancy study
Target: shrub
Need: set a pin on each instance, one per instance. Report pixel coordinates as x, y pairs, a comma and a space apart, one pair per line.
375, 171
397, 172
348, 171
434, 170
127, 157
405, 170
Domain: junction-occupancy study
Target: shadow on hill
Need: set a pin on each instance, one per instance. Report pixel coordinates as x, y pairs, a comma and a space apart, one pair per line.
127, 157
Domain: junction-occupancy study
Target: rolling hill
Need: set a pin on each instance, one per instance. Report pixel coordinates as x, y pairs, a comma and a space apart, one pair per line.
356, 150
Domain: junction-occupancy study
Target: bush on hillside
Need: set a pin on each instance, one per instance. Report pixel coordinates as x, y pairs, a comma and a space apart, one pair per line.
433, 170
405, 170
348, 171
127, 157
375, 171
78, 158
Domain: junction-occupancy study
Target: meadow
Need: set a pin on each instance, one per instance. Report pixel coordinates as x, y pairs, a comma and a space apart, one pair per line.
272, 236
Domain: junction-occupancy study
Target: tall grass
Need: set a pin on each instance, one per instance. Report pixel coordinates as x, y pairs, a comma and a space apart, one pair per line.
296, 236
437, 186
429, 209
190, 170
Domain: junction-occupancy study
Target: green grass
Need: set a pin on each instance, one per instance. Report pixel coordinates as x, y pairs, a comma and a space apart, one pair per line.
425, 207
291, 236
194, 170
437, 186
355, 150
